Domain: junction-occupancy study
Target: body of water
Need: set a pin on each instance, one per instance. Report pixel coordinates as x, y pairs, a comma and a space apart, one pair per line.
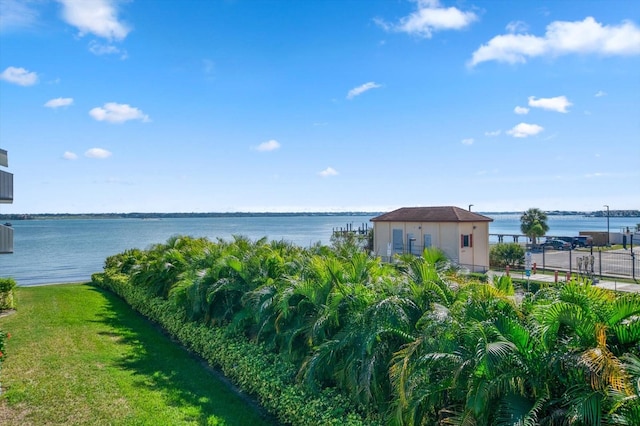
67, 250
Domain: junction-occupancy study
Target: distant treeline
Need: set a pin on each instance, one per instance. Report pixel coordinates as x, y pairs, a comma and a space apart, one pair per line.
173, 215
617, 213
22, 216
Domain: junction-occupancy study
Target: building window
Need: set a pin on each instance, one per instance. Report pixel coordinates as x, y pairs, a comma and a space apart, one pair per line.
398, 245
466, 240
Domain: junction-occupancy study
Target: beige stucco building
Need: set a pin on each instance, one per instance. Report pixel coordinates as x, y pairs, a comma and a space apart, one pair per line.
461, 234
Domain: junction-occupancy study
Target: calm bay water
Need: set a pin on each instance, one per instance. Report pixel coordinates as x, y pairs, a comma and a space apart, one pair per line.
66, 250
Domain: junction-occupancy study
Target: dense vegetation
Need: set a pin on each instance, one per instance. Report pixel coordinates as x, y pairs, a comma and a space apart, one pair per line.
408, 343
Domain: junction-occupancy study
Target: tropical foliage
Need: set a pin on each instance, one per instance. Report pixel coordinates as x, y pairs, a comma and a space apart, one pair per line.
411, 342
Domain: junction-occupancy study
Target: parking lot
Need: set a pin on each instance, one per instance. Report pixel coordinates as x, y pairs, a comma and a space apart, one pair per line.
603, 263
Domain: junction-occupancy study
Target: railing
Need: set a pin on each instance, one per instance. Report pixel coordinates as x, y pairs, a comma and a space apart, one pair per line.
6, 239
418, 249
600, 263
6, 187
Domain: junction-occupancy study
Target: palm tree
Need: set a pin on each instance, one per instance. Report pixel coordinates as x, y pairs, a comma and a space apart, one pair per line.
533, 223
587, 332
357, 357
626, 409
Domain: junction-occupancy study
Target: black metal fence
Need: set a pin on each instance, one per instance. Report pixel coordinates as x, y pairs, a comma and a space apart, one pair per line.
417, 250
594, 262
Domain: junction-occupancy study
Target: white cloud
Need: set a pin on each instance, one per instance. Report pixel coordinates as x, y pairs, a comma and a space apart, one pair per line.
559, 103
68, 155
361, 89
99, 49
493, 133
270, 145
562, 38
430, 17
600, 94
118, 113
467, 141
521, 110
97, 153
19, 76
329, 171
523, 130
98, 17
517, 27
16, 14
58, 102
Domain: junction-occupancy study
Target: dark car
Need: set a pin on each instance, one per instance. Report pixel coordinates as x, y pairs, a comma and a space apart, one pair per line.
557, 244
565, 239
582, 241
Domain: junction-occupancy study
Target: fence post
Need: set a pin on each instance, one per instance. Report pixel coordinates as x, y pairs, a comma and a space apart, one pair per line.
507, 270
534, 268
555, 276
600, 261
570, 262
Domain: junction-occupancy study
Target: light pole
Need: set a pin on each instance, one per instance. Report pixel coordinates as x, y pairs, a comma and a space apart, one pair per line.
608, 243
470, 205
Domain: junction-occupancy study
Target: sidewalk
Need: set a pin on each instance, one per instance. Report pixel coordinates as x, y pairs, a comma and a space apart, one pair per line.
608, 283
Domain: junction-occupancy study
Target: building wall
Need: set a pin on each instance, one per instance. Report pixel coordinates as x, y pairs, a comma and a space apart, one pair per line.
443, 235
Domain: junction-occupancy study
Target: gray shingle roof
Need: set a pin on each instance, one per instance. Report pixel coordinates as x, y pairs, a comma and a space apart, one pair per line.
431, 214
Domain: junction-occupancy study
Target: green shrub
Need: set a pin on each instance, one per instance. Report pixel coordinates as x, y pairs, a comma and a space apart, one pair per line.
506, 254
479, 276
7, 299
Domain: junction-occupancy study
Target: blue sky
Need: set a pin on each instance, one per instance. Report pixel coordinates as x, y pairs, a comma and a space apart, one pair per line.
199, 106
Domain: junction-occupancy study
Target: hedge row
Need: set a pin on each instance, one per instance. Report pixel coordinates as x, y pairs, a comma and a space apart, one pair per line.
7, 299
249, 365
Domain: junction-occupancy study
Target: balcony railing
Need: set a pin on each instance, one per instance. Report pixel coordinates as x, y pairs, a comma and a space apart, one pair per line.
6, 187
6, 239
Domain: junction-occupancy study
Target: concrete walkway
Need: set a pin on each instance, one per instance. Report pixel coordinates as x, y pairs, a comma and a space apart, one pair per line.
608, 283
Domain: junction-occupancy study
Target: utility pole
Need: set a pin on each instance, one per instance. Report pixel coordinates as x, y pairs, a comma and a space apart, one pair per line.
608, 241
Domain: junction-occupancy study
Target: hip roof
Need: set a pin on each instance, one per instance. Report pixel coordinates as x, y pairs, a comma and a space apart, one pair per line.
431, 214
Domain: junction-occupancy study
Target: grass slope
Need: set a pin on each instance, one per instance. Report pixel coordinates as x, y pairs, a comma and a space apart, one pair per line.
79, 355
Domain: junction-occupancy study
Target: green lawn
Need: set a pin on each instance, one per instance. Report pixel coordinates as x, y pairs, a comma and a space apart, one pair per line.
79, 355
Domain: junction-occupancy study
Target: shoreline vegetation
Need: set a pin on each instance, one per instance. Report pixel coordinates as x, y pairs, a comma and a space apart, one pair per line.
408, 343
330, 336
174, 215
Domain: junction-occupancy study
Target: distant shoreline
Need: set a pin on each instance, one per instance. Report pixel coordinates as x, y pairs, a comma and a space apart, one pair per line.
177, 215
